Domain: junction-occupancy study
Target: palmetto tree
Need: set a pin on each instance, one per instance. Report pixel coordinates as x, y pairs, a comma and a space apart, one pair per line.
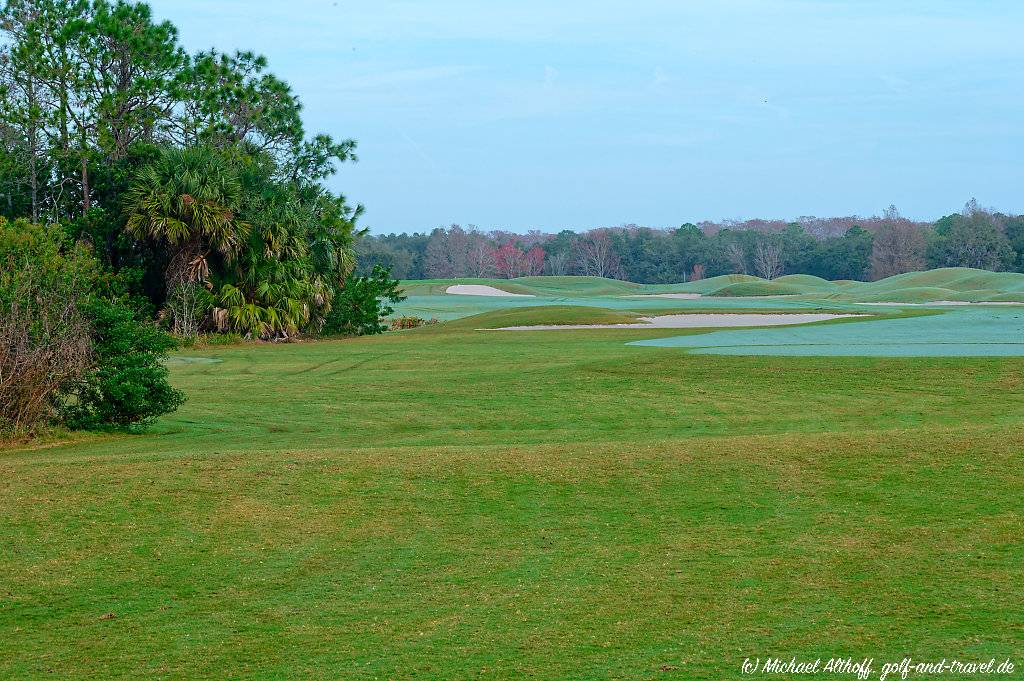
188, 199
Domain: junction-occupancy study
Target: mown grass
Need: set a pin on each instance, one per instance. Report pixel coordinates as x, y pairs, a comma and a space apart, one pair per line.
452, 503
949, 283
546, 315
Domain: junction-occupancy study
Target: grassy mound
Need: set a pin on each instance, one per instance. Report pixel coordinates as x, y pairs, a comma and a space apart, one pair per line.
956, 278
918, 294
1012, 297
704, 286
950, 283
577, 286
438, 287
807, 282
759, 287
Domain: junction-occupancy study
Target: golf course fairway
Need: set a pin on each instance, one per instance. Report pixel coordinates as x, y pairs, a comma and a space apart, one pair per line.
454, 503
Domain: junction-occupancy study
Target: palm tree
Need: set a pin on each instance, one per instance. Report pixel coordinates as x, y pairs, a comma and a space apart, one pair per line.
188, 199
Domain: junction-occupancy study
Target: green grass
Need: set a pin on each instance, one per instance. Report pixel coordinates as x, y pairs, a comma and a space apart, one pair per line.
951, 283
546, 315
807, 282
579, 286
759, 288
452, 503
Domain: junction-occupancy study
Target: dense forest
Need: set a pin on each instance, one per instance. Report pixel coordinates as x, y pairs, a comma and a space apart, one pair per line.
831, 248
148, 194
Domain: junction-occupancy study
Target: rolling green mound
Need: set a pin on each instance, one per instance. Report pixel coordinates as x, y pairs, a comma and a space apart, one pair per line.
578, 286
950, 283
759, 287
807, 282
914, 294
705, 286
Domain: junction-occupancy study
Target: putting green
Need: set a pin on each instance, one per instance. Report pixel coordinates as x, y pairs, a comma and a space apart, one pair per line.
958, 332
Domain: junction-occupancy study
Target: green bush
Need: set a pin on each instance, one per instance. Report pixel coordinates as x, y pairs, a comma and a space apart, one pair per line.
360, 306
128, 385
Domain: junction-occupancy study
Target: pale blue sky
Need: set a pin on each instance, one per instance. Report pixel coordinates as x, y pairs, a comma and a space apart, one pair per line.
585, 113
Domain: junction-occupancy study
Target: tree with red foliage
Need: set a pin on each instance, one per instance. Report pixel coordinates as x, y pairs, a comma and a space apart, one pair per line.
509, 260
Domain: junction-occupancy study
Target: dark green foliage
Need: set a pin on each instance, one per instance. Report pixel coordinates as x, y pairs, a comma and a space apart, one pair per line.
1015, 233
162, 162
361, 305
401, 254
970, 240
842, 258
798, 248
128, 386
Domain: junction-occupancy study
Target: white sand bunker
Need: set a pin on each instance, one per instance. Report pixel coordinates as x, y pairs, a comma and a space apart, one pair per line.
678, 296
696, 321
482, 290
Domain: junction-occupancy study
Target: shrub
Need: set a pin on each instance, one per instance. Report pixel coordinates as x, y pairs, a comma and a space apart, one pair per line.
128, 385
361, 305
189, 304
400, 323
44, 334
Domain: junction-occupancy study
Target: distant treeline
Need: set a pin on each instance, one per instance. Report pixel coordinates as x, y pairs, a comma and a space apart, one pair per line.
831, 248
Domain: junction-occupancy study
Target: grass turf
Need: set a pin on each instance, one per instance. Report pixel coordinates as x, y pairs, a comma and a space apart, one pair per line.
447, 503
950, 283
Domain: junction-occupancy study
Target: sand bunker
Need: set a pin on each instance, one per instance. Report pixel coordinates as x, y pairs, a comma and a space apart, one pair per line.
695, 321
482, 290
678, 296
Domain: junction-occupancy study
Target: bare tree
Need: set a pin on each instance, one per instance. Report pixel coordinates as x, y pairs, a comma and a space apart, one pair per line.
898, 247
557, 264
596, 256
768, 258
736, 255
188, 305
479, 262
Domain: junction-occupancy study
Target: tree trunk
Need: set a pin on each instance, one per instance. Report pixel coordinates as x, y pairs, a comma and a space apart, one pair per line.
33, 151
85, 184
